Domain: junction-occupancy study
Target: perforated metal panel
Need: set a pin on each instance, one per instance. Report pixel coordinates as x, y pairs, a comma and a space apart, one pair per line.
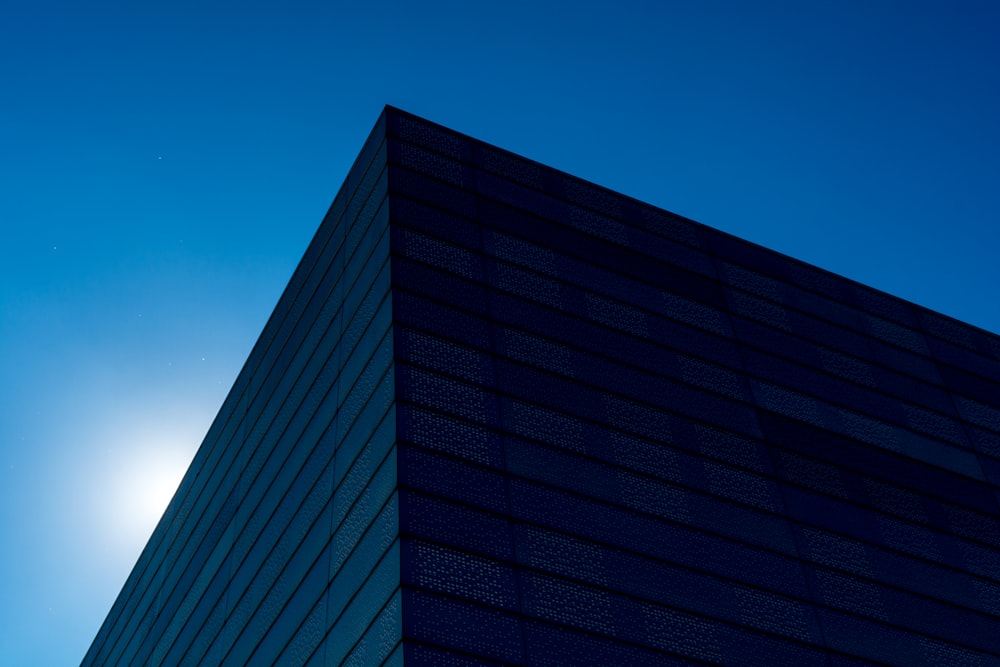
504, 416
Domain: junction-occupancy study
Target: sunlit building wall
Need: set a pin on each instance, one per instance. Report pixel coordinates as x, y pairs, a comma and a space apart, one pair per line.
504, 416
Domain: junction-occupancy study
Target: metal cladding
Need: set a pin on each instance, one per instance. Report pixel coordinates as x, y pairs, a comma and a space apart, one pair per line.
504, 416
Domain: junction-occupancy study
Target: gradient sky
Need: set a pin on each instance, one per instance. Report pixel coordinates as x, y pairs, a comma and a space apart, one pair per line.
164, 165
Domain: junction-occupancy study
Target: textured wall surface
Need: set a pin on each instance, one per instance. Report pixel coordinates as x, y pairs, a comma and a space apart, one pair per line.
628, 438
504, 416
280, 546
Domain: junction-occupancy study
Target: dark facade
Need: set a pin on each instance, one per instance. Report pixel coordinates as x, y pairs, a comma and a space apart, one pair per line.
503, 416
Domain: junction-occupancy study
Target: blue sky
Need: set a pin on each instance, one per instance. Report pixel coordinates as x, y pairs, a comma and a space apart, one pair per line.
165, 164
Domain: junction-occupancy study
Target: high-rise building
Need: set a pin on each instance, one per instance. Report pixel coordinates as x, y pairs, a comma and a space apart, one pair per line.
504, 416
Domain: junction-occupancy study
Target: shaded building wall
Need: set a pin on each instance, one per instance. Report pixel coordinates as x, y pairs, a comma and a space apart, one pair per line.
280, 544
626, 438
505, 416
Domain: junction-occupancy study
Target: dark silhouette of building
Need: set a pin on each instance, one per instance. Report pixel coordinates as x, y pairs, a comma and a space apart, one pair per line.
504, 416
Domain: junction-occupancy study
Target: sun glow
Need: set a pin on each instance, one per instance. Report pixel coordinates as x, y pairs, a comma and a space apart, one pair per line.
142, 474
147, 481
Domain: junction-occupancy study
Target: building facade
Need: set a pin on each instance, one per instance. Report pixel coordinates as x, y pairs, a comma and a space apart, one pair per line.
502, 416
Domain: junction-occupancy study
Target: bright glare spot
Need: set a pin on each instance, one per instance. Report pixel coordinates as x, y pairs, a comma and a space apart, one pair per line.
144, 490
140, 481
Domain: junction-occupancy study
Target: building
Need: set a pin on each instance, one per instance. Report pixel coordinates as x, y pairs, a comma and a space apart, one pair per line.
504, 416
